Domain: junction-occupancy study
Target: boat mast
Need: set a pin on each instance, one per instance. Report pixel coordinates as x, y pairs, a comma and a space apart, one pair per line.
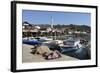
52, 22
52, 27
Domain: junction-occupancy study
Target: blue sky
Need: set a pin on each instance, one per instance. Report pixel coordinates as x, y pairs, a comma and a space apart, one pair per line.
44, 17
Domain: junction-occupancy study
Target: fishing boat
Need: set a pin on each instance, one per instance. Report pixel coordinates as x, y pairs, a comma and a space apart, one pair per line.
45, 39
69, 43
77, 50
32, 42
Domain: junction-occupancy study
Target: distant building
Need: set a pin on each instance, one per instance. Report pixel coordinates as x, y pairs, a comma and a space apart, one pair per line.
46, 30
49, 29
80, 32
37, 27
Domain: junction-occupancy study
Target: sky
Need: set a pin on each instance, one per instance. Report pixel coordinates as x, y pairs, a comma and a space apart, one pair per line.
45, 17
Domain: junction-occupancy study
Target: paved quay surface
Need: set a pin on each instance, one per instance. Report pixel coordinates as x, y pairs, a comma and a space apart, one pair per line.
28, 57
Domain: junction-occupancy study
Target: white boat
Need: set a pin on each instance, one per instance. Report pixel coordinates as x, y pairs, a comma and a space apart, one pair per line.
71, 43
45, 39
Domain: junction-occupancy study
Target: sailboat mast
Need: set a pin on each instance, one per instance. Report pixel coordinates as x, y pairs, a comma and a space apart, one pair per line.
51, 22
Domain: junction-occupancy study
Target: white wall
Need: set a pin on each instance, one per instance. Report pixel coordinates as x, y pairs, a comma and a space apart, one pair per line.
5, 36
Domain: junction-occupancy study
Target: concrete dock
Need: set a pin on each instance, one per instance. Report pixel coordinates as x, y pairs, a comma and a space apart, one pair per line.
28, 57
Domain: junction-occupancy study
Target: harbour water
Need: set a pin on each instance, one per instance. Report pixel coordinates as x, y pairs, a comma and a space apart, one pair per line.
80, 53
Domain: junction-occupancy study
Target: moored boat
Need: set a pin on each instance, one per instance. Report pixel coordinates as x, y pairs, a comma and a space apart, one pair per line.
32, 42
